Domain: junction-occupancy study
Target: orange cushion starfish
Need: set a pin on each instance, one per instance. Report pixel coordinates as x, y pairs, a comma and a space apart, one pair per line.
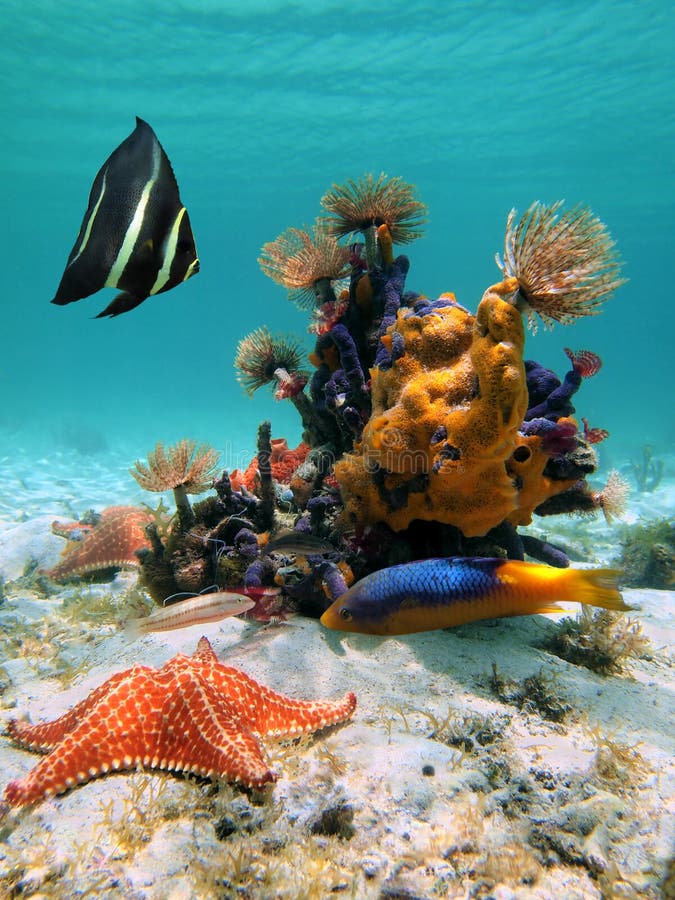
111, 542
192, 715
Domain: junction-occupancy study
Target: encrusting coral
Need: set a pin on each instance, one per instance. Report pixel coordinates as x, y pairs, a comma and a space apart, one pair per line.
426, 431
444, 421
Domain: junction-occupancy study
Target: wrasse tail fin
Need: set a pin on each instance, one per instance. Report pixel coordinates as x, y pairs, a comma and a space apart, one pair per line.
597, 587
133, 629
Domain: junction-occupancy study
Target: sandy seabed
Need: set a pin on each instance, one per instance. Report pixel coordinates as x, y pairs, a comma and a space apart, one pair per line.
477, 764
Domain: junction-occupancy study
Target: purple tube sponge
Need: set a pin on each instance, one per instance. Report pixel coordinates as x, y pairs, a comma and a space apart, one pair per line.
545, 552
253, 576
318, 507
323, 415
246, 543
332, 578
557, 437
235, 502
346, 393
388, 285
540, 382
351, 365
549, 398
335, 391
317, 385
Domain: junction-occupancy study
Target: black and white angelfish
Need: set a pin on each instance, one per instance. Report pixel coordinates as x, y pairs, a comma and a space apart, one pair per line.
136, 233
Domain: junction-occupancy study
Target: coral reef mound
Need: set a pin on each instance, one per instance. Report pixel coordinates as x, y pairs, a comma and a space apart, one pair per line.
443, 441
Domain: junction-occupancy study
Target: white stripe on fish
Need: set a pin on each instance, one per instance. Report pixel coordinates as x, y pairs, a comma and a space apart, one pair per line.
169, 251
90, 223
131, 237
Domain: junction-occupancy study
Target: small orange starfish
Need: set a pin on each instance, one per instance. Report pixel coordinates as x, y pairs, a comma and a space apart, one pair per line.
283, 462
111, 542
192, 715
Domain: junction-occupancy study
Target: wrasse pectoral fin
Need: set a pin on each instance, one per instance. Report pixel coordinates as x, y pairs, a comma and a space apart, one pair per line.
410, 602
541, 609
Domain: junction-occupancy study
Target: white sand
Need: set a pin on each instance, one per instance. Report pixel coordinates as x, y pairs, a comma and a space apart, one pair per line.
514, 805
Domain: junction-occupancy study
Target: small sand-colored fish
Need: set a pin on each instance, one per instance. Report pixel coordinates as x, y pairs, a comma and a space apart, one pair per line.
442, 593
299, 544
194, 611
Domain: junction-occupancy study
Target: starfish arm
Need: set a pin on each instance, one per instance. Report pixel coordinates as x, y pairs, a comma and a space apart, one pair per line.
204, 652
44, 736
271, 713
116, 733
205, 735
281, 715
76, 760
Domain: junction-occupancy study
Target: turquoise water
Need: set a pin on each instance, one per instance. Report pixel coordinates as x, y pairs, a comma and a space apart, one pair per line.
261, 106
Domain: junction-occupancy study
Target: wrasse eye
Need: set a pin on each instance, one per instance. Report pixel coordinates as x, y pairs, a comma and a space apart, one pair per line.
345, 613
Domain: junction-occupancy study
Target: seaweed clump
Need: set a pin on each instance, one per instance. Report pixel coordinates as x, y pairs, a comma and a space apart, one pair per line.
603, 641
648, 555
647, 471
537, 693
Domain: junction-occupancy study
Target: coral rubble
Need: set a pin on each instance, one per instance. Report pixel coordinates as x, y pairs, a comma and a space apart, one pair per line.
425, 429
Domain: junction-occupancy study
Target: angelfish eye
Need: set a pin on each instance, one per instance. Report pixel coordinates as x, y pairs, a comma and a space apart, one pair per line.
345, 613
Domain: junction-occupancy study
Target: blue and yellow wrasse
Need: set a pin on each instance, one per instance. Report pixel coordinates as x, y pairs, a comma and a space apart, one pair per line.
442, 593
